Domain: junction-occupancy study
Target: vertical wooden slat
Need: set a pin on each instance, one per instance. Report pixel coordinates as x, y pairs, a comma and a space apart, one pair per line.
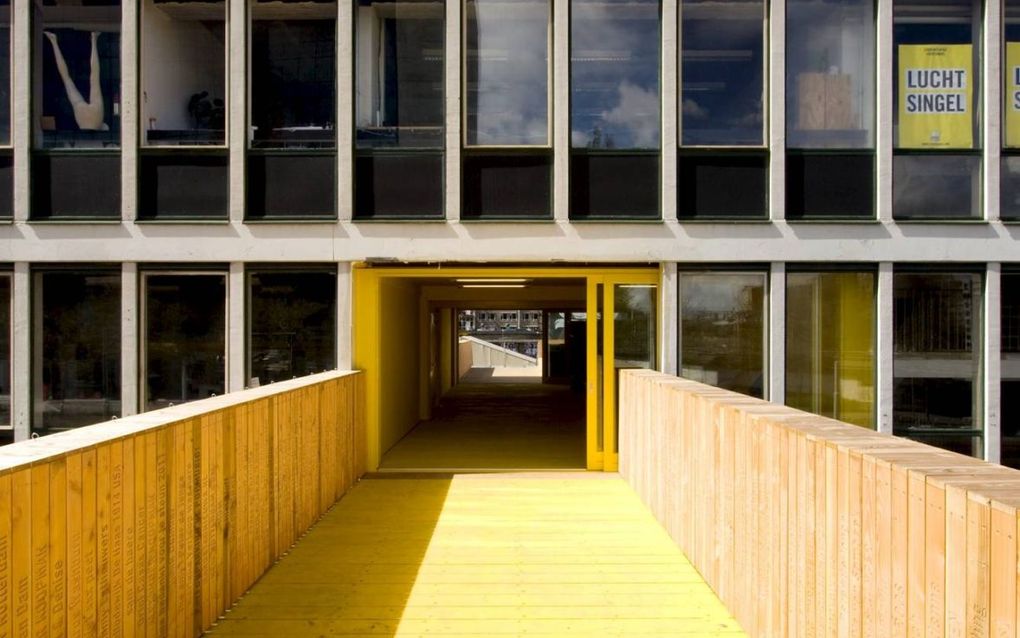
956, 561
978, 557
103, 547
40, 557
6, 556
127, 527
90, 567
21, 522
1003, 598
141, 515
935, 560
75, 618
116, 538
58, 548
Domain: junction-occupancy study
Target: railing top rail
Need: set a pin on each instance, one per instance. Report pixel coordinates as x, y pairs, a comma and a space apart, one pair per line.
948, 470
46, 448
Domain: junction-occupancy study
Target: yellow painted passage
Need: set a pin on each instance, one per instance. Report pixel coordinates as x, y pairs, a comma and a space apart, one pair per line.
540, 554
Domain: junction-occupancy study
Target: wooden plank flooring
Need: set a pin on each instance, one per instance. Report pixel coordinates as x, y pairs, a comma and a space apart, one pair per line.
537, 554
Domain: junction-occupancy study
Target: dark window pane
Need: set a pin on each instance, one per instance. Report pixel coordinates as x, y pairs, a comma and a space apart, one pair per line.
723, 185
1010, 187
614, 186
419, 175
75, 185
5, 72
937, 343
6, 184
830, 73
183, 60
722, 89
293, 75
77, 74
1010, 385
507, 186
183, 185
614, 74
722, 330
185, 348
507, 72
5, 350
830, 185
291, 185
77, 370
400, 73
293, 324
930, 186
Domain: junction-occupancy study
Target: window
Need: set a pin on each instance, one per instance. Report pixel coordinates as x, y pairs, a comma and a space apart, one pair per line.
76, 357
292, 324
830, 114
936, 167
614, 108
722, 329
183, 66
1010, 180
76, 78
937, 362
5, 350
184, 346
5, 72
400, 108
830, 344
1010, 383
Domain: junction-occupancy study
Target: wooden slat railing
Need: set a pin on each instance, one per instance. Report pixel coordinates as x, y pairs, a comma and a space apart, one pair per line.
806, 526
153, 525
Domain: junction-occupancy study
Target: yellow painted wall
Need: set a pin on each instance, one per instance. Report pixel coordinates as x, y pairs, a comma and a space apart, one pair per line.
399, 348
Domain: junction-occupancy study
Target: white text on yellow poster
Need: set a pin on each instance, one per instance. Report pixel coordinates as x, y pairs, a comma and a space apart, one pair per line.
936, 96
1012, 97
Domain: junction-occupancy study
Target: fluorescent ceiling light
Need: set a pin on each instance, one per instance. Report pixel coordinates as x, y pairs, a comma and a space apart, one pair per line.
492, 286
492, 280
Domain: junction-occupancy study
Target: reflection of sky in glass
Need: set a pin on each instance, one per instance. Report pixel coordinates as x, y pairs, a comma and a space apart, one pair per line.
507, 72
614, 67
716, 293
721, 92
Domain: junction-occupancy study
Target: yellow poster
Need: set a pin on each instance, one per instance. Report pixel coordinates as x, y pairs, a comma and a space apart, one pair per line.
1011, 109
936, 96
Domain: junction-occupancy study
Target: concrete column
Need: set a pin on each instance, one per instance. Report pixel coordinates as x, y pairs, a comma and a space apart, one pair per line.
884, 76
345, 111
237, 104
453, 60
775, 101
344, 323
777, 333
992, 362
21, 104
560, 112
669, 314
21, 350
237, 371
670, 129
884, 348
991, 55
129, 342
129, 108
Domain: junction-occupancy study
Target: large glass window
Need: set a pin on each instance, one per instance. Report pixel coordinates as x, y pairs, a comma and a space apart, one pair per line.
292, 324
76, 81
184, 340
76, 356
293, 74
5, 72
722, 73
1010, 181
5, 350
507, 72
183, 63
830, 344
937, 96
937, 364
722, 329
1010, 371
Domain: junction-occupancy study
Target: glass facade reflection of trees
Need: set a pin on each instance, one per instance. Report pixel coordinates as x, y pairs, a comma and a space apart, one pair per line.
76, 360
830, 74
293, 324
830, 344
937, 360
507, 72
722, 73
293, 74
400, 71
185, 344
722, 330
614, 74
76, 85
183, 67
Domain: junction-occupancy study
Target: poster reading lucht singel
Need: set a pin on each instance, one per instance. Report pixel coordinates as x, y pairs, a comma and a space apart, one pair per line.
936, 96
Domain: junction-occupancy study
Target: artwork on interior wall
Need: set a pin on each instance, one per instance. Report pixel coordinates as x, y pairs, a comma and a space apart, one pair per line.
81, 82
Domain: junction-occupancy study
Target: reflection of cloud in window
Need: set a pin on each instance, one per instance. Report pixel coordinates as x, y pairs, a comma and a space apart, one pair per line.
692, 109
636, 114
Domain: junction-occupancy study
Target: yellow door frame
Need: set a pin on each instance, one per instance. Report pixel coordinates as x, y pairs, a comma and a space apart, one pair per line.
367, 333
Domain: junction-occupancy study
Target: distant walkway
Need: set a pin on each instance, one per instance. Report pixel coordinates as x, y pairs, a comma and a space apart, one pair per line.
542, 554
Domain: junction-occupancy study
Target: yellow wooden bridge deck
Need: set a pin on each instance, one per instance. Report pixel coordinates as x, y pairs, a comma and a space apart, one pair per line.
536, 554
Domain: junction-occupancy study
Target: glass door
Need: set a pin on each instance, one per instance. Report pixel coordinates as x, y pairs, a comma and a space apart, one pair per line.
622, 333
